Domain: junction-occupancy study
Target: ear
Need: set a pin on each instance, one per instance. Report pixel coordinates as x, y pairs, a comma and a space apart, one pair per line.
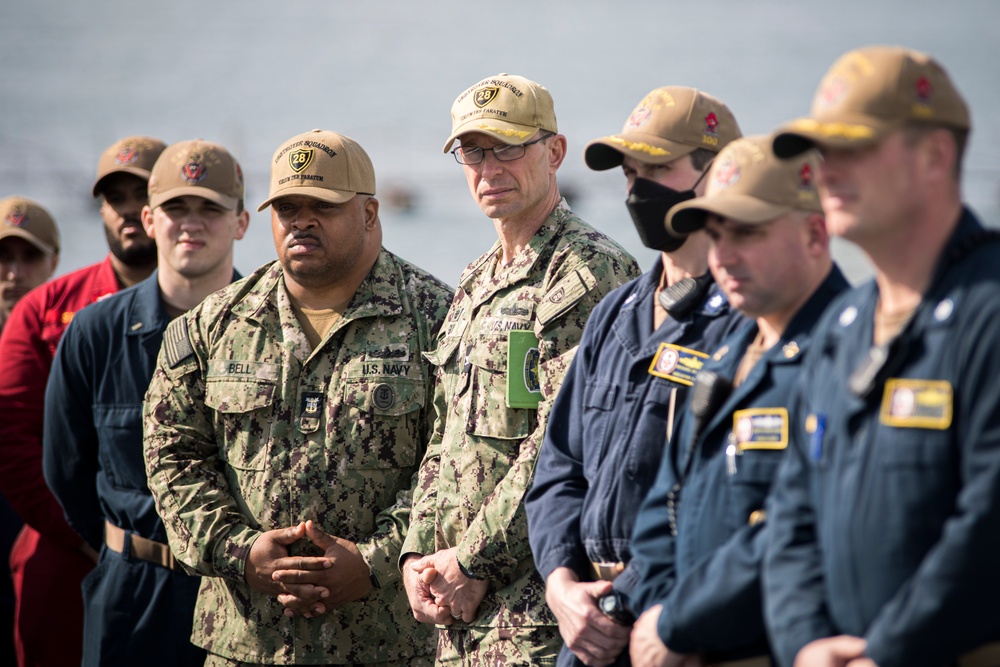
557, 152
54, 262
241, 224
818, 239
938, 155
147, 221
371, 213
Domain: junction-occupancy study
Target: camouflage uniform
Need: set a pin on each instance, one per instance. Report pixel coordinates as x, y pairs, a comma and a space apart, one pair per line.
248, 429
482, 455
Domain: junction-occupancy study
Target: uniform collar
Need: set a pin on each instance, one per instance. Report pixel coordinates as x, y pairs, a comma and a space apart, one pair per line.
481, 286
146, 313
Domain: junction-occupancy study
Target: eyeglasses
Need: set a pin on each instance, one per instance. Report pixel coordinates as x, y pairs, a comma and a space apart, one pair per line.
502, 152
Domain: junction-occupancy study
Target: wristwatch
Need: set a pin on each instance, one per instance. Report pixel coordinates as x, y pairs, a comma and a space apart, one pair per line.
614, 607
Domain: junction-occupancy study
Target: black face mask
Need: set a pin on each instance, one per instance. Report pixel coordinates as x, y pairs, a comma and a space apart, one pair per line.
648, 203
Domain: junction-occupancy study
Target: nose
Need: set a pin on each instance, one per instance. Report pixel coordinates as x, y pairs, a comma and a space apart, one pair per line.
302, 218
491, 164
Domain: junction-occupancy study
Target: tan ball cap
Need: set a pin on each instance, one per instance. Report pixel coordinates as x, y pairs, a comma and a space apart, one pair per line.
196, 167
26, 219
668, 123
131, 155
750, 184
321, 164
868, 93
508, 107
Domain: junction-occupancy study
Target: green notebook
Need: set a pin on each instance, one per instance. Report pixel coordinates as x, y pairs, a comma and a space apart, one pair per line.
523, 382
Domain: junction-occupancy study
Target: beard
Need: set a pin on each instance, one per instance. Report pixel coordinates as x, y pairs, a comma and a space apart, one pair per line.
139, 254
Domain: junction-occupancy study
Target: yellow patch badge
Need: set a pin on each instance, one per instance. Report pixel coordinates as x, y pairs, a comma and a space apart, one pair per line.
300, 159
761, 428
910, 403
676, 363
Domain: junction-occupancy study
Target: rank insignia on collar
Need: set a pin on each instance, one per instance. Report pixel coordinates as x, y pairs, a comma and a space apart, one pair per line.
720, 353
790, 350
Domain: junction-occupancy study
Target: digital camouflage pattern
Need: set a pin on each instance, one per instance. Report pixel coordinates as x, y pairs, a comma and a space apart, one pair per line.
482, 455
247, 429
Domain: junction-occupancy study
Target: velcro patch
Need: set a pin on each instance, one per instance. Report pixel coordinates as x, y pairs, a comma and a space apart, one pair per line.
565, 294
676, 363
761, 428
177, 342
910, 403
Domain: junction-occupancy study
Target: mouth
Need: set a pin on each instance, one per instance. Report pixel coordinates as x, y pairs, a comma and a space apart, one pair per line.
301, 245
131, 228
190, 244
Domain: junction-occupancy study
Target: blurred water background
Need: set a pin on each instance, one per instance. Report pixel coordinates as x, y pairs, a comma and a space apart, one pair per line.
76, 76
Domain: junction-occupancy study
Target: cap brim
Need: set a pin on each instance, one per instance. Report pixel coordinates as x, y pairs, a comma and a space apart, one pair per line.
322, 194
609, 152
509, 133
30, 238
690, 216
802, 134
141, 173
226, 202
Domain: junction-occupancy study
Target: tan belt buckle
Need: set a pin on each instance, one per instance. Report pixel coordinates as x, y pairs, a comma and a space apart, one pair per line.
607, 571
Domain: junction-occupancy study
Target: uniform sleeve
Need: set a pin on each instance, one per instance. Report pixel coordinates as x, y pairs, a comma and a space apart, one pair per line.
949, 606
420, 535
383, 551
496, 541
24, 367
70, 438
653, 546
555, 500
794, 593
208, 532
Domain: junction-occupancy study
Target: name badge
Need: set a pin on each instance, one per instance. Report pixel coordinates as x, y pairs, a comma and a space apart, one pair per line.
761, 428
676, 363
917, 403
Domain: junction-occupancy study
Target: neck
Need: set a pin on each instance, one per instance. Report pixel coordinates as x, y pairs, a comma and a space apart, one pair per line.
905, 260
130, 275
336, 296
182, 293
515, 232
688, 261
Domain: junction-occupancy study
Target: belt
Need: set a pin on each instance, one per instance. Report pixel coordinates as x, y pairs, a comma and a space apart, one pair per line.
607, 571
987, 655
759, 661
140, 547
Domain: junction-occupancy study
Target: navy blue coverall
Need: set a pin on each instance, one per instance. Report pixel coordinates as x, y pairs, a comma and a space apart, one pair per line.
707, 575
885, 519
135, 612
608, 427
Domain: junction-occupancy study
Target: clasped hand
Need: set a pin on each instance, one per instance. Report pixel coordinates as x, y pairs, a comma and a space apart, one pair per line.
307, 585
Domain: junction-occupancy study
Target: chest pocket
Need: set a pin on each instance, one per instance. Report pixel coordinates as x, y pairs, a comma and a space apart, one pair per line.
386, 421
244, 415
485, 399
749, 486
119, 431
598, 403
